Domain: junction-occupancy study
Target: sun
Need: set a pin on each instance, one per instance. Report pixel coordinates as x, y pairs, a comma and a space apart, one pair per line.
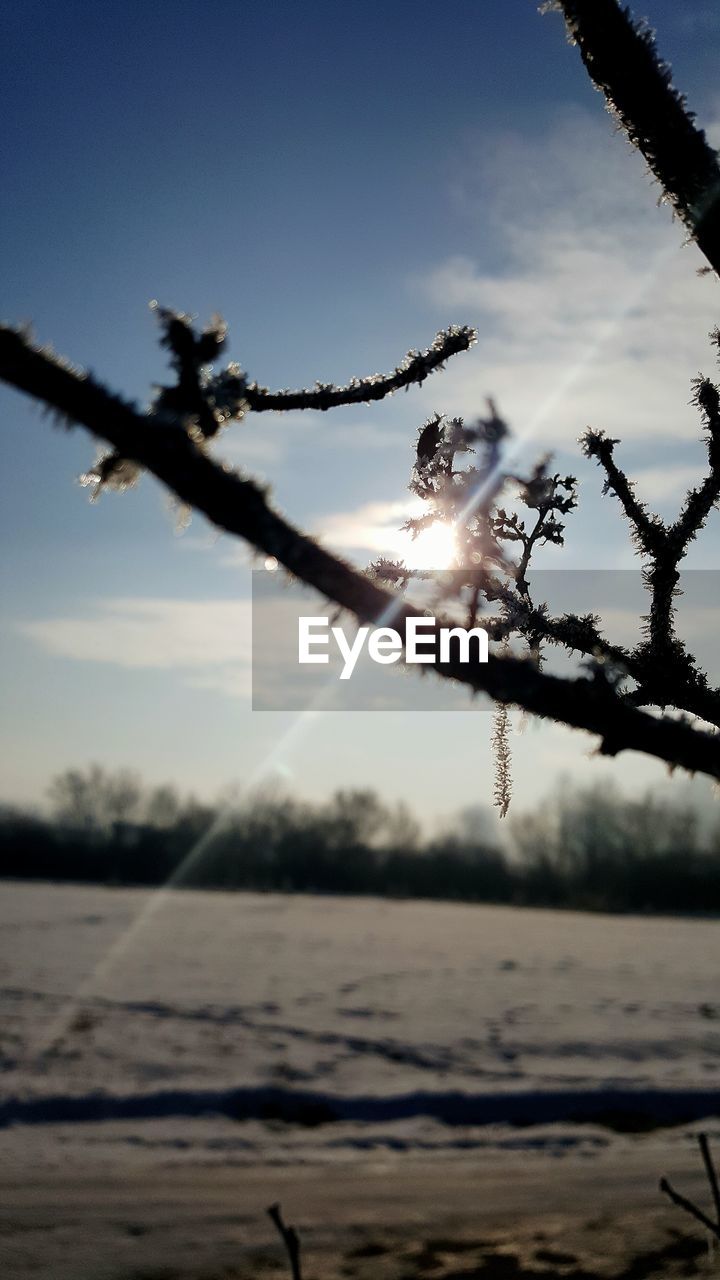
434, 548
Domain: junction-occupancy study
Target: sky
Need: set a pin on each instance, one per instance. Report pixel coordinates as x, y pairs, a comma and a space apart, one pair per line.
338, 182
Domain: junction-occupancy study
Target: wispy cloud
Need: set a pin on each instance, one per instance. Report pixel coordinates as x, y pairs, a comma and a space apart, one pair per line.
375, 527
594, 311
206, 641
372, 529
666, 484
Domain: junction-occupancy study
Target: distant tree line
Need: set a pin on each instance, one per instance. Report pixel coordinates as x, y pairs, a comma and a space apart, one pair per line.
590, 849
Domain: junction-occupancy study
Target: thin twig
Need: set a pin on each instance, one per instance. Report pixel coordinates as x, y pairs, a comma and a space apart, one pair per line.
648, 530
290, 1239
689, 1207
711, 1172
700, 502
415, 369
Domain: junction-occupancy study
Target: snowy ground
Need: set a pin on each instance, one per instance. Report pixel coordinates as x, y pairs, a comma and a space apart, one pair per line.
242, 1048
488, 1216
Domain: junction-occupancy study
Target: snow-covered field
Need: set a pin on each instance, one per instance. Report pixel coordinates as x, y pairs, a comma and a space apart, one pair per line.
191, 1024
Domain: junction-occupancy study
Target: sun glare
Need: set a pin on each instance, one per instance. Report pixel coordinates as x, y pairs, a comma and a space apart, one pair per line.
434, 548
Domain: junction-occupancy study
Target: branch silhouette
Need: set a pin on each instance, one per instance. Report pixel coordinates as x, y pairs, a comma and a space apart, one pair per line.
622, 61
689, 1206
290, 1239
240, 506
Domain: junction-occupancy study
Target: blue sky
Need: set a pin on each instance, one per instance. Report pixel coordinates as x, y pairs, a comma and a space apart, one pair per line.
338, 181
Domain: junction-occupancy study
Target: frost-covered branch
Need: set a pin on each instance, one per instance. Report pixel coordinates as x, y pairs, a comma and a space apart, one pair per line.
415, 368
621, 59
700, 502
239, 506
495, 545
665, 672
647, 531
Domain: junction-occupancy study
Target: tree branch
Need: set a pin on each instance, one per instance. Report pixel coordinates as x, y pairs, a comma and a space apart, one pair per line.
238, 505
621, 59
710, 1173
689, 1207
648, 531
415, 368
290, 1239
700, 502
